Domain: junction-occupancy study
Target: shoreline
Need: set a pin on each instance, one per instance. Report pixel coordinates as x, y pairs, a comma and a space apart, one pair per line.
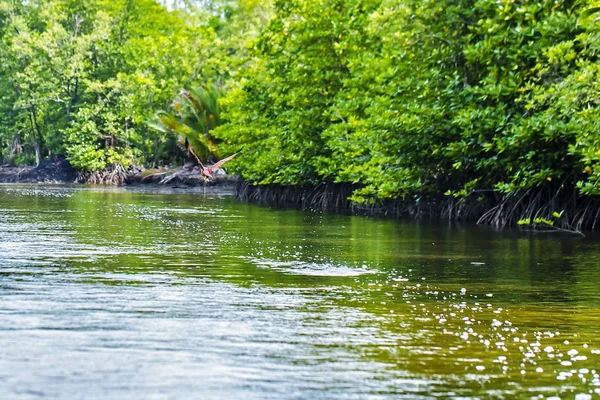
548, 209
577, 213
58, 171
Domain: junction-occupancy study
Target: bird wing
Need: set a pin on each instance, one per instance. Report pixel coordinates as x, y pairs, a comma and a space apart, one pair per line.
189, 148
218, 164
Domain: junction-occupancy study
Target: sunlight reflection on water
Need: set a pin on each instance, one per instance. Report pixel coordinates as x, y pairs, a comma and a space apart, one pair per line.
127, 294
310, 268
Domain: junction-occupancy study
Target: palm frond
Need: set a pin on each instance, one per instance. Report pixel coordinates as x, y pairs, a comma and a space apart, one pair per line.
193, 114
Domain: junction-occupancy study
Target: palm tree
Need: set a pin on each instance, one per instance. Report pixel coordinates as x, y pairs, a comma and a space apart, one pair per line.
193, 115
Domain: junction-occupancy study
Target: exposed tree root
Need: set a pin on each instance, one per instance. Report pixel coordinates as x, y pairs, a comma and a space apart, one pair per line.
114, 174
492, 208
576, 212
322, 197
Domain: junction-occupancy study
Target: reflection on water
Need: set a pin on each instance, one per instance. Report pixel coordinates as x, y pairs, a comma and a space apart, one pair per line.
120, 293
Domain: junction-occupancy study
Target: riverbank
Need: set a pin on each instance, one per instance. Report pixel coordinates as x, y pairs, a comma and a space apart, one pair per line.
548, 209
53, 170
57, 170
545, 209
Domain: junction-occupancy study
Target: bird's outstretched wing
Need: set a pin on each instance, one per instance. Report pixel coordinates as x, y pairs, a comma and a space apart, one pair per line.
189, 149
218, 164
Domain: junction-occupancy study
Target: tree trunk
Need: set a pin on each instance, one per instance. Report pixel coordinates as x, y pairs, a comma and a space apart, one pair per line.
37, 136
156, 143
38, 153
36, 144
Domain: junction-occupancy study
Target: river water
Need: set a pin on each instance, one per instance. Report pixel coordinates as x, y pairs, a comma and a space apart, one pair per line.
114, 293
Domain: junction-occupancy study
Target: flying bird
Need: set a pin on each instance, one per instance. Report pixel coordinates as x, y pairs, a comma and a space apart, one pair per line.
207, 171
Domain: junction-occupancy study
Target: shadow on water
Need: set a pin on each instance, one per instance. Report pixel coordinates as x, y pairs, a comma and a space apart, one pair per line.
199, 294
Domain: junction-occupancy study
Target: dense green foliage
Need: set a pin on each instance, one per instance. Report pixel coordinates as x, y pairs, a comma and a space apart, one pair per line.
412, 98
84, 78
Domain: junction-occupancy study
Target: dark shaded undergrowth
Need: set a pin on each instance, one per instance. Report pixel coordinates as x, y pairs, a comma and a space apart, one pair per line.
577, 213
55, 169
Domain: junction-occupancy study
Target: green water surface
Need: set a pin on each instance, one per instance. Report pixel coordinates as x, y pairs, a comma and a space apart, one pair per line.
115, 293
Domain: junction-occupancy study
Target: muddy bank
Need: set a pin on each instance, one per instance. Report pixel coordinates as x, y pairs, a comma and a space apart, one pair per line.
53, 170
179, 177
57, 170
